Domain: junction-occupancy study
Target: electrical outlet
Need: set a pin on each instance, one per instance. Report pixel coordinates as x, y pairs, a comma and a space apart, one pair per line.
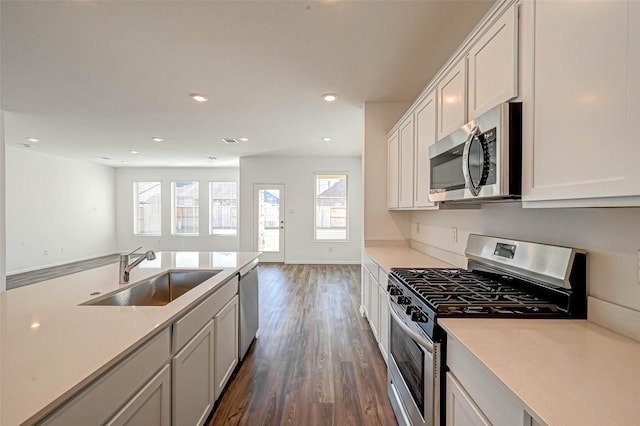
46, 252
454, 234
417, 227
330, 249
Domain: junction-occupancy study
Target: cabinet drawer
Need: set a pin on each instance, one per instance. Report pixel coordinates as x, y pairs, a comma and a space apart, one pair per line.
482, 387
103, 398
370, 264
187, 326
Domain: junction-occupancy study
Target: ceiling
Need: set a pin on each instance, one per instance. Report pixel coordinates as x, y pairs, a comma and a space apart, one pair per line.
93, 79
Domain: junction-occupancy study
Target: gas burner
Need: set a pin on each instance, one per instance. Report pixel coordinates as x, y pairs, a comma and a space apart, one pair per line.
458, 292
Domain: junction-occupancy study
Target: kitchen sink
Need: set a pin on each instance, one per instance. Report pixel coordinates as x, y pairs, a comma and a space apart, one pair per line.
155, 291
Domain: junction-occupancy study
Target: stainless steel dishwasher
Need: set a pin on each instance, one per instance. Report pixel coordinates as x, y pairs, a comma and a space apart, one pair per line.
248, 291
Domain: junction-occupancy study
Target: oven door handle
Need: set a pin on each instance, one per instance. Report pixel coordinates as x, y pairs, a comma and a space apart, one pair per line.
427, 345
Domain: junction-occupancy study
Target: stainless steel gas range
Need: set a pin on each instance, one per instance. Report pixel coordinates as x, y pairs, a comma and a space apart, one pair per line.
504, 278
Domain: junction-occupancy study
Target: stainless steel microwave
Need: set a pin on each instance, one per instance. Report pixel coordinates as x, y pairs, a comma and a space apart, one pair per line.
481, 160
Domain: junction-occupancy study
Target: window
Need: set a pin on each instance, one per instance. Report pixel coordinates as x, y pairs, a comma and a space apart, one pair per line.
223, 212
331, 214
146, 208
185, 215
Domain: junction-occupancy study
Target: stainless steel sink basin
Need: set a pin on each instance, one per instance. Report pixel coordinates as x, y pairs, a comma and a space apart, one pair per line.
155, 291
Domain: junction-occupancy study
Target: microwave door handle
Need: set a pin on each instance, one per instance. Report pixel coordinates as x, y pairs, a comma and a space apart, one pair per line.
465, 162
428, 346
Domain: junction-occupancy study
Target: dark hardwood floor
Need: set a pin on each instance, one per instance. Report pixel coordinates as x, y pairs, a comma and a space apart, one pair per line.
316, 361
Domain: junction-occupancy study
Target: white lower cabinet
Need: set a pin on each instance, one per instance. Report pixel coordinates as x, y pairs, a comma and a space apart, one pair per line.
474, 396
193, 379
374, 299
461, 410
226, 344
383, 326
117, 388
150, 406
174, 379
374, 320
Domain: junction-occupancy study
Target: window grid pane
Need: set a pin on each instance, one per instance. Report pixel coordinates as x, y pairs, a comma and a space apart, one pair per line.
185, 208
223, 212
331, 215
147, 204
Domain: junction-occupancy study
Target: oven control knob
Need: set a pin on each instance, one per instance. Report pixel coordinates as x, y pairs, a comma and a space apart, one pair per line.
395, 291
410, 309
419, 316
403, 300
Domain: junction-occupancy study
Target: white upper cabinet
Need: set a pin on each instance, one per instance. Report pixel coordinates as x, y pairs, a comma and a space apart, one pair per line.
493, 65
393, 169
581, 103
452, 99
424, 117
406, 163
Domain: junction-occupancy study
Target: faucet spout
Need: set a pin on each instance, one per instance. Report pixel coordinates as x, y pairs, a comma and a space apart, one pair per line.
126, 267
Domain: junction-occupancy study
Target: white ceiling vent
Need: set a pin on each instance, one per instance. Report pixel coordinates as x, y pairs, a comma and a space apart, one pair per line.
229, 140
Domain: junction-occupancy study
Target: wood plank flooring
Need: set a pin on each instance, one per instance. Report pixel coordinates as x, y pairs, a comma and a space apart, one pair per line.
316, 361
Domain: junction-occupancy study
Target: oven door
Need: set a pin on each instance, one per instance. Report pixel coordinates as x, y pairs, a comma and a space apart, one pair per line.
413, 371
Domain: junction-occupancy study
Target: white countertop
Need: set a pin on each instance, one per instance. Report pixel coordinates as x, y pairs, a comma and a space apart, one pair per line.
563, 372
403, 257
50, 347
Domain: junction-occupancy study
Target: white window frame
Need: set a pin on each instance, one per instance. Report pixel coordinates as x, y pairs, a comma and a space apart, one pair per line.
315, 206
135, 191
173, 209
210, 199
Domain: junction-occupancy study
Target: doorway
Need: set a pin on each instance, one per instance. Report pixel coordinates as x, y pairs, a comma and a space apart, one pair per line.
268, 202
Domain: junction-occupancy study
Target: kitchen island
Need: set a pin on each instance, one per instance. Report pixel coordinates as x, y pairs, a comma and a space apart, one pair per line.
52, 346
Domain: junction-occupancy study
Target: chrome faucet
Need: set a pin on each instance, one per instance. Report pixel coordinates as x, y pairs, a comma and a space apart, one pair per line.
126, 267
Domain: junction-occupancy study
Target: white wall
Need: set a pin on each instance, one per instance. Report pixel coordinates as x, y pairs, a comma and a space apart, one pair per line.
380, 225
296, 173
611, 237
126, 241
56, 204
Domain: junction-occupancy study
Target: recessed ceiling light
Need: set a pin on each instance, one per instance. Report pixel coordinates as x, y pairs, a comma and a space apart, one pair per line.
330, 97
211, 158
157, 139
199, 97
243, 139
33, 140
124, 162
133, 151
230, 141
326, 139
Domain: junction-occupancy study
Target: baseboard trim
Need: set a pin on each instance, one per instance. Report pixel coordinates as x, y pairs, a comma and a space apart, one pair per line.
322, 262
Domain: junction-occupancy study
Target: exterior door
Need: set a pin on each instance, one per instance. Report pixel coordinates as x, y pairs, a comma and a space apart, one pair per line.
269, 221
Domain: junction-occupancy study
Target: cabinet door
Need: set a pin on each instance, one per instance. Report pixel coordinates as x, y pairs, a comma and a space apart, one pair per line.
452, 100
366, 291
425, 125
461, 410
383, 319
493, 70
373, 313
150, 406
193, 380
582, 143
406, 163
226, 344
393, 181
